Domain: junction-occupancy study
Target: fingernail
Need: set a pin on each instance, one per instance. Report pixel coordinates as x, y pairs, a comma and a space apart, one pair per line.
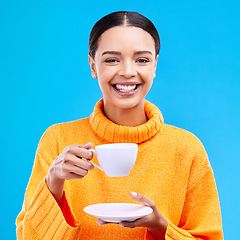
134, 194
100, 223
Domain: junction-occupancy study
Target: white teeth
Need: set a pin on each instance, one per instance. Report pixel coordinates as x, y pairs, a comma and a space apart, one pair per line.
125, 88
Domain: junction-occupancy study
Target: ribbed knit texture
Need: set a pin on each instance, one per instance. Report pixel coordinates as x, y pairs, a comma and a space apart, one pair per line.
172, 169
112, 132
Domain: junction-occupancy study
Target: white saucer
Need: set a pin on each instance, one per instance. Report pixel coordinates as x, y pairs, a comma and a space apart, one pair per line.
117, 212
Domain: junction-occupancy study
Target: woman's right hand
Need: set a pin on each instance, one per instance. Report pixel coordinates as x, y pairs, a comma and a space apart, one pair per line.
68, 165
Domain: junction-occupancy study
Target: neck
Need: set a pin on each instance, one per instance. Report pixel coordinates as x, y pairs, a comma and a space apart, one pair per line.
131, 117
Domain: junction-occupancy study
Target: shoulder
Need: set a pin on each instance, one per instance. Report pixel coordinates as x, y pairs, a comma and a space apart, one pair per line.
66, 128
184, 143
179, 135
188, 150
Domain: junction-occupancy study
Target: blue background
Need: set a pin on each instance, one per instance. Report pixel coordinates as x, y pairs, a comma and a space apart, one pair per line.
45, 79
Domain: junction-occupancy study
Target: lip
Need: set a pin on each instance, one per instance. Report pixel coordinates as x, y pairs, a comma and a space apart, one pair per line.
126, 83
126, 94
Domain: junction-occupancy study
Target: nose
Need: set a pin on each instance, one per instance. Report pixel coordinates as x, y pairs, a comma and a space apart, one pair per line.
128, 69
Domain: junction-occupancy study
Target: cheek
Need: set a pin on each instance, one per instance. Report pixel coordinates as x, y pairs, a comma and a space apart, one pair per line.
147, 75
105, 74
104, 80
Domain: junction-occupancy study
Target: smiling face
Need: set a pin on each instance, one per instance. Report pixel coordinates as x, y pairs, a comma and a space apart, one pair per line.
125, 65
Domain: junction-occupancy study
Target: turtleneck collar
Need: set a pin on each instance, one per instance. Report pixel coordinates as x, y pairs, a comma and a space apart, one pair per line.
115, 133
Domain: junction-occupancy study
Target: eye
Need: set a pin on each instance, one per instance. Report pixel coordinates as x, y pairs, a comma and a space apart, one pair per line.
111, 60
143, 60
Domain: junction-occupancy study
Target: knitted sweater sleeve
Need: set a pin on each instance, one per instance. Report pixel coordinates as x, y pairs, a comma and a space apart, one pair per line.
41, 217
201, 215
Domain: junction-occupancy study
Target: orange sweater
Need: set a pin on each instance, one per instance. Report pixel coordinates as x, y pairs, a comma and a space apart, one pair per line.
172, 169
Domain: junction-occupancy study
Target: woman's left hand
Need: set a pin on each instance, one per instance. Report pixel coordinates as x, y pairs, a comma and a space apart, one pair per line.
155, 222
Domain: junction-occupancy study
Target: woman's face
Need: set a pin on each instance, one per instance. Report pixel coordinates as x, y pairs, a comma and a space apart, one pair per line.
125, 65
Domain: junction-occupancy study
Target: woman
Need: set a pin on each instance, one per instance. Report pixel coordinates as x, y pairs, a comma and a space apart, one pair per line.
172, 173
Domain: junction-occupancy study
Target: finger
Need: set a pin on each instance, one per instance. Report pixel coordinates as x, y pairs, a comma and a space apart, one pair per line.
142, 199
70, 175
88, 145
83, 164
137, 223
90, 154
76, 161
100, 222
80, 151
69, 170
77, 170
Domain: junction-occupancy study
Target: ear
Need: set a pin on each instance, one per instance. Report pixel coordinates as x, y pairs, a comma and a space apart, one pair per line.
92, 66
155, 66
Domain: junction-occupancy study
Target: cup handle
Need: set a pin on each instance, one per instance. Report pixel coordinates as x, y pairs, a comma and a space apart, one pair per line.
93, 151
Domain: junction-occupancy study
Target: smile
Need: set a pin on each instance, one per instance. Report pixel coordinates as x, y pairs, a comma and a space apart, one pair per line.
125, 88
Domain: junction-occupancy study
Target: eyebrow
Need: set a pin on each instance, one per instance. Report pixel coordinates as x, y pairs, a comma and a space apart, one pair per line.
111, 52
143, 52
119, 53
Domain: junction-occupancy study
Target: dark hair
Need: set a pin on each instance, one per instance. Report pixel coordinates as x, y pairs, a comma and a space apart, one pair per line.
122, 18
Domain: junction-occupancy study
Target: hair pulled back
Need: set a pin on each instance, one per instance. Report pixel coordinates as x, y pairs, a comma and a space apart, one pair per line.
122, 18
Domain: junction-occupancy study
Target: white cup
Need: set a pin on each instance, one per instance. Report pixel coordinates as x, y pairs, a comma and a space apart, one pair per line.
116, 159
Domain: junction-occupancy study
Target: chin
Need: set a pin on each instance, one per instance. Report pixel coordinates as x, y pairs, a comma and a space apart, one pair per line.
128, 103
